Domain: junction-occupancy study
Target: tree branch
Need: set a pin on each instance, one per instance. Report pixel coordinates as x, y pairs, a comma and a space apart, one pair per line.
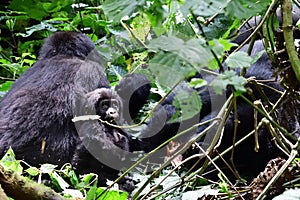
21, 188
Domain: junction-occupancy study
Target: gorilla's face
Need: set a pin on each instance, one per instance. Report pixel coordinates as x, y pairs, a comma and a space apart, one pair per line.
106, 103
109, 109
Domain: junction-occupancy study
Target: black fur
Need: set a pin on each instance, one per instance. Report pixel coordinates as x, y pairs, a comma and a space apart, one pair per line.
247, 161
134, 90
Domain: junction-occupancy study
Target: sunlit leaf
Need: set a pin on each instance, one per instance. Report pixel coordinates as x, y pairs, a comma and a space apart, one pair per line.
9, 162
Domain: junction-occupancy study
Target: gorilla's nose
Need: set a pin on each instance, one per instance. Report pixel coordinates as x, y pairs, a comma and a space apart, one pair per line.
112, 113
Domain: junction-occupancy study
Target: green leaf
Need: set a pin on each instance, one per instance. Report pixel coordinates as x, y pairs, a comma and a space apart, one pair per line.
197, 82
44, 25
243, 9
219, 47
107, 195
9, 162
87, 179
115, 10
4, 87
10, 23
91, 195
204, 7
166, 43
47, 168
191, 51
229, 78
70, 173
141, 27
58, 180
168, 69
32, 8
227, 45
33, 171
257, 56
238, 83
238, 60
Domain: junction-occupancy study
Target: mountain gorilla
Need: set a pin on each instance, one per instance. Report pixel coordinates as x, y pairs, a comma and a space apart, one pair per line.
38, 107
246, 159
66, 81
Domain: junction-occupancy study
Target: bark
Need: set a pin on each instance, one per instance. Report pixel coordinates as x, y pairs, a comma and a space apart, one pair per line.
22, 188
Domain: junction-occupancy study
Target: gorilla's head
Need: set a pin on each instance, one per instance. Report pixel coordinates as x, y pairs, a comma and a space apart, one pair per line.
107, 104
70, 44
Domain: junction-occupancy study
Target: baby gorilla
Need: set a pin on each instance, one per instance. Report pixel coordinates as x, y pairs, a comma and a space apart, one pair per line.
103, 147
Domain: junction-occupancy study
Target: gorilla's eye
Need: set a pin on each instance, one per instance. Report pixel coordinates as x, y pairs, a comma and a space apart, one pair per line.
114, 103
106, 103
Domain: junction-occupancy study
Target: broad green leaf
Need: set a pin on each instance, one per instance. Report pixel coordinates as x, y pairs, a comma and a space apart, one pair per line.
32, 8
169, 69
166, 43
243, 9
9, 162
227, 45
4, 87
87, 179
33, 171
91, 195
141, 27
44, 25
70, 174
238, 60
191, 51
228, 78
219, 47
238, 83
108, 194
204, 7
116, 10
257, 56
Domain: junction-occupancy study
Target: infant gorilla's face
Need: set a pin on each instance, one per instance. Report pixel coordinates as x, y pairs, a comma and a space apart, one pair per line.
106, 103
109, 109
